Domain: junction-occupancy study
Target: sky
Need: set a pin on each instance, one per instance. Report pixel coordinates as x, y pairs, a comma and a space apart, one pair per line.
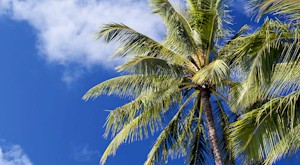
49, 57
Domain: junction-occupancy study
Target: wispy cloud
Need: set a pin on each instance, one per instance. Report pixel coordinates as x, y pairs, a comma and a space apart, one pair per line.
67, 29
13, 155
84, 153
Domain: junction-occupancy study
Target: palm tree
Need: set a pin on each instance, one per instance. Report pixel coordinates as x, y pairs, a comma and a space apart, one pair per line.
268, 97
178, 80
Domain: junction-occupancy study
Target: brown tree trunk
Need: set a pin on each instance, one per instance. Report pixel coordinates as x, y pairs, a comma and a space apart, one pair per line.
213, 138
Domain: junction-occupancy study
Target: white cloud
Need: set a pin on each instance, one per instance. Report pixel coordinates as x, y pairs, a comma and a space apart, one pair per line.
66, 29
13, 155
84, 153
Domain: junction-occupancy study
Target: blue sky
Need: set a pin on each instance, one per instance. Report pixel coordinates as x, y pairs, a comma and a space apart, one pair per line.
49, 59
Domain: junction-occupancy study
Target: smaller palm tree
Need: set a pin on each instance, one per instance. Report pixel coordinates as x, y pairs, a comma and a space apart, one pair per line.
268, 98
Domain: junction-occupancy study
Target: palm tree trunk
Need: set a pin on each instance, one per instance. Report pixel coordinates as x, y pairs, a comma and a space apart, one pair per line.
213, 138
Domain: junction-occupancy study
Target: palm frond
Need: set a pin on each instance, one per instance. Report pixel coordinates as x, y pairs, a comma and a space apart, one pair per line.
257, 132
282, 79
123, 115
285, 78
229, 48
151, 65
212, 74
197, 147
289, 144
222, 121
187, 143
197, 152
137, 128
169, 136
131, 132
291, 8
207, 19
133, 43
130, 85
262, 50
179, 32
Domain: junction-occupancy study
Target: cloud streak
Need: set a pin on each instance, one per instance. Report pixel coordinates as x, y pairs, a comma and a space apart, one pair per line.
66, 30
84, 153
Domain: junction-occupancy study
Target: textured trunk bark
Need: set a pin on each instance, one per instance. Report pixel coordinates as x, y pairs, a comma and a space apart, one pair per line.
213, 138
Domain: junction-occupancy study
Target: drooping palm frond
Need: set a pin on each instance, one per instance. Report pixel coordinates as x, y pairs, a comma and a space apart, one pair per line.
168, 137
223, 121
257, 132
286, 74
291, 8
229, 49
130, 85
289, 144
147, 119
197, 147
284, 80
132, 131
196, 142
148, 99
260, 51
193, 143
281, 65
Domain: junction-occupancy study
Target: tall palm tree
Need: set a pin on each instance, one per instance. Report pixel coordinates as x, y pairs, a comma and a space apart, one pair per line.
268, 97
178, 80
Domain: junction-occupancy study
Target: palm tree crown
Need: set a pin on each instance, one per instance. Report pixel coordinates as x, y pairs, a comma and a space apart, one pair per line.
186, 78
177, 75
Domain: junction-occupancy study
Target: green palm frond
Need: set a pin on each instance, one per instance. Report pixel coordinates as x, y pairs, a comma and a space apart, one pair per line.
269, 35
186, 142
289, 144
241, 33
261, 55
133, 43
290, 8
130, 85
169, 136
151, 65
282, 77
197, 151
197, 147
213, 73
207, 19
286, 74
137, 128
229, 48
285, 79
133, 131
260, 50
179, 32
243, 96
223, 125
148, 99
257, 132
